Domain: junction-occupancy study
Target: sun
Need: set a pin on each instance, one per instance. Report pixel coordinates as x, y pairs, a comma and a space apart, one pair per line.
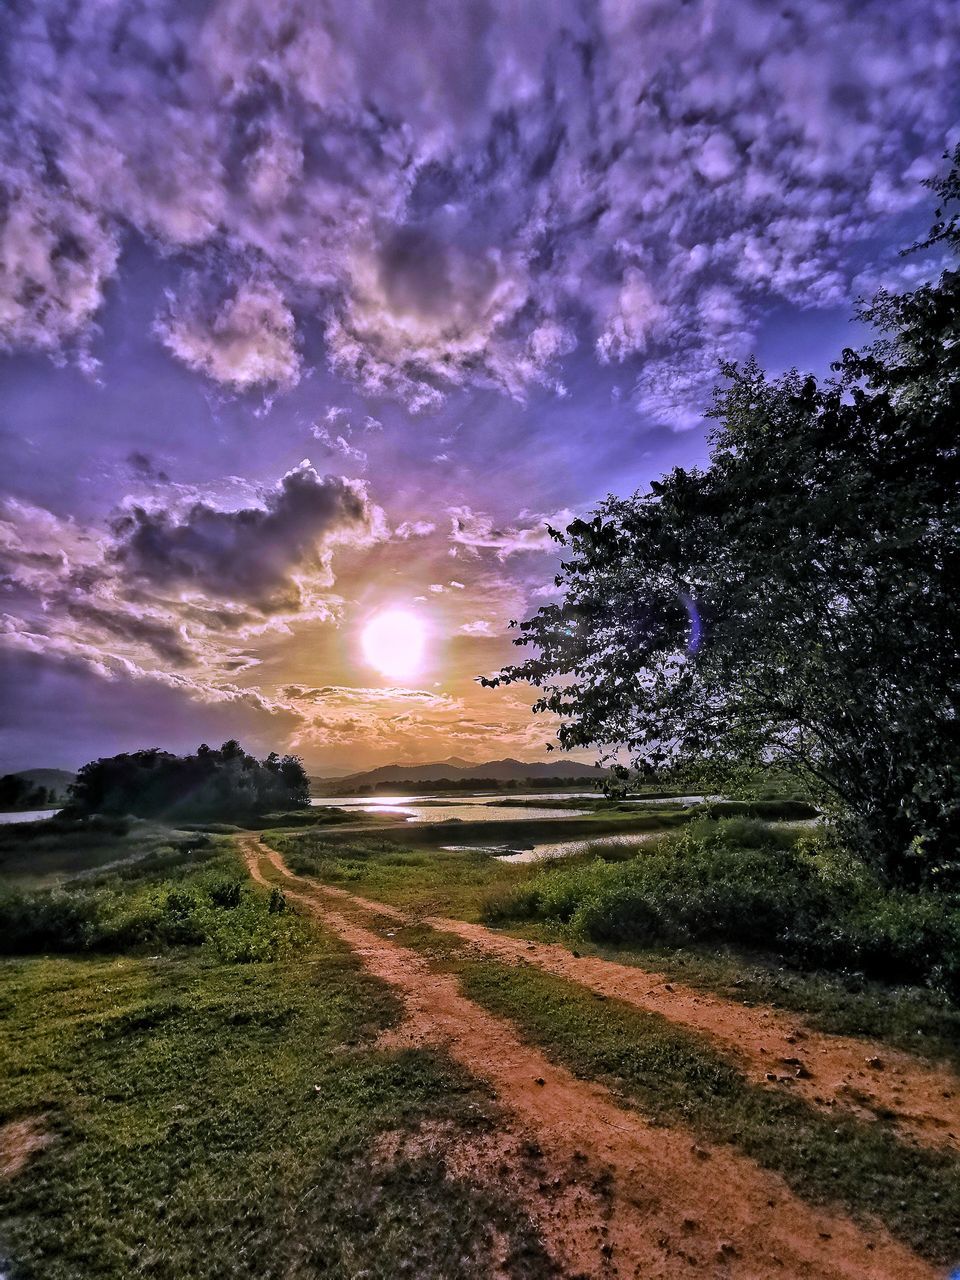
394, 642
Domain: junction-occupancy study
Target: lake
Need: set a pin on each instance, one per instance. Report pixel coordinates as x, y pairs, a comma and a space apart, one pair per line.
468, 808
481, 807
28, 815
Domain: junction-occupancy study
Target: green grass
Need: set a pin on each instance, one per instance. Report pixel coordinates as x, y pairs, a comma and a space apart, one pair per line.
407, 869
428, 881
472, 886
673, 1077
51, 851
216, 1119
194, 895
742, 883
916, 1019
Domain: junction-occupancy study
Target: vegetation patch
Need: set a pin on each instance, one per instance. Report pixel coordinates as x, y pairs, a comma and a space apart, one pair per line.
738, 882
214, 907
431, 881
216, 1118
917, 1019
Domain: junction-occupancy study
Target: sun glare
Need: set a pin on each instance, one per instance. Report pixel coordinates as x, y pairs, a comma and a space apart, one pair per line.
394, 643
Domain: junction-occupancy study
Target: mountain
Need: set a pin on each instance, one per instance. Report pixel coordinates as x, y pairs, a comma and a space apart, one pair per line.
59, 779
454, 770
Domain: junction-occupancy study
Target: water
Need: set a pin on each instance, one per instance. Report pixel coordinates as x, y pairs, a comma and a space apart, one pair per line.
479, 807
469, 808
558, 849
28, 815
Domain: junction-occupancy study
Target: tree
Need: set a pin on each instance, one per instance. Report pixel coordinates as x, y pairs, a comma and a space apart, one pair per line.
794, 601
225, 783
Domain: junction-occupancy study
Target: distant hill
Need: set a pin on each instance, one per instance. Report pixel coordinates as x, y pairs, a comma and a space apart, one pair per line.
456, 770
59, 779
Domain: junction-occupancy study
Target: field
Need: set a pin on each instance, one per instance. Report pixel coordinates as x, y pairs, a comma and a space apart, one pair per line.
338, 1050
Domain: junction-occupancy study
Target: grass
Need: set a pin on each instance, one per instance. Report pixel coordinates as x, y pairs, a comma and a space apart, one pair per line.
194, 895
407, 869
743, 883
213, 1118
673, 1077
430, 881
44, 853
916, 1019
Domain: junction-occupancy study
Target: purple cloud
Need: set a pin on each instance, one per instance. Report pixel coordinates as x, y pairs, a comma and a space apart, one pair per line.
640, 179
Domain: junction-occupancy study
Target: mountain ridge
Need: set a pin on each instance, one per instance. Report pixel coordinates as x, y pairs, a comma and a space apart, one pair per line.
505, 770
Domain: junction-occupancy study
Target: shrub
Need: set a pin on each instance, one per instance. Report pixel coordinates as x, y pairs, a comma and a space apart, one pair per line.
736, 882
241, 925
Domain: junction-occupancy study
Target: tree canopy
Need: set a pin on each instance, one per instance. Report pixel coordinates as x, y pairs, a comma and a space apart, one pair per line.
211, 784
794, 601
17, 792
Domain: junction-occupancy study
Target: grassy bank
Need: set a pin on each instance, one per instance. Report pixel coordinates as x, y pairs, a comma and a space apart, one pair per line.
744, 884
429, 881
733, 958
211, 1109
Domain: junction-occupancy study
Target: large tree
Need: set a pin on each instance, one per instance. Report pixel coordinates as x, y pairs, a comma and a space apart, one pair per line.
795, 601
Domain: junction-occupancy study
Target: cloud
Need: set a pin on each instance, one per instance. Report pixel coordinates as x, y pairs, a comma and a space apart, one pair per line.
191, 589
339, 444
240, 333
414, 529
480, 627
461, 198
475, 532
255, 554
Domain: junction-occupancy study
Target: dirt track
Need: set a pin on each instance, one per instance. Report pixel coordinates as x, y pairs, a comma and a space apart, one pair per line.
826, 1070
669, 1206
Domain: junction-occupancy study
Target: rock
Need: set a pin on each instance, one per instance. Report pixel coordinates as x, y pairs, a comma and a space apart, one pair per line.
540, 1081
875, 1063
802, 1073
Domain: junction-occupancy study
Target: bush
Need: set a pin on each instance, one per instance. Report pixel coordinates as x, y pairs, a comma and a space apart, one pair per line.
240, 924
736, 882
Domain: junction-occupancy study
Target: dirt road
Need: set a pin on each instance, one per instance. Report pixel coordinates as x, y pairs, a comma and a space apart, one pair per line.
616, 1196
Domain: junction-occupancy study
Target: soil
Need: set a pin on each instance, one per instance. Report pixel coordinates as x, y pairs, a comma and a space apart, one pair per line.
831, 1071
19, 1139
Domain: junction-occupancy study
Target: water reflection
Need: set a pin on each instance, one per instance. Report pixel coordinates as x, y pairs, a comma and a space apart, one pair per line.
468, 808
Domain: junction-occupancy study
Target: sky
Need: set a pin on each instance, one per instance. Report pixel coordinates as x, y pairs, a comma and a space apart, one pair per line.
316, 311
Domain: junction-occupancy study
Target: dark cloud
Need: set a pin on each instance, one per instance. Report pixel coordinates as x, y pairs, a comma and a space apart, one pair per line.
145, 468
254, 554
60, 712
165, 639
